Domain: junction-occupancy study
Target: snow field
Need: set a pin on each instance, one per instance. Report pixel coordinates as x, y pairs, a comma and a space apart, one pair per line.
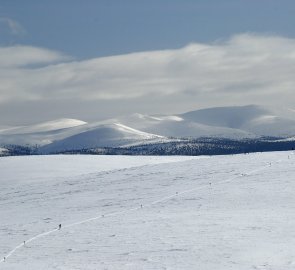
242, 220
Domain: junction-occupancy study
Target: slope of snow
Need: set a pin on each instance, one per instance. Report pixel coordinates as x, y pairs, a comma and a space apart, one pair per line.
46, 168
111, 135
41, 134
271, 125
234, 122
287, 139
252, 119
230, 117
186, 129
177, 126
133, 131
224, 212
3, 150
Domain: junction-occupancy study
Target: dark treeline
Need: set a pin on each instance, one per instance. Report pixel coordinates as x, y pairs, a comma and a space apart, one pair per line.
203, 146
18, 150
194, 147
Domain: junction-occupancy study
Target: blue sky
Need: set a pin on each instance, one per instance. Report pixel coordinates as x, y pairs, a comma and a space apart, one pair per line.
95, 59
93, 28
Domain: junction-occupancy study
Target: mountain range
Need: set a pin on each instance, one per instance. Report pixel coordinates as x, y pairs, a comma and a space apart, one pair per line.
236, 122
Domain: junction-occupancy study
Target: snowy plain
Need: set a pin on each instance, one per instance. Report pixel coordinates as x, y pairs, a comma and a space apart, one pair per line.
219, 212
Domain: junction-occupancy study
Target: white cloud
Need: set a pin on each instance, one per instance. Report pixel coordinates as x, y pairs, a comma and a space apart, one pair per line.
247, 68
21, 56
14, 27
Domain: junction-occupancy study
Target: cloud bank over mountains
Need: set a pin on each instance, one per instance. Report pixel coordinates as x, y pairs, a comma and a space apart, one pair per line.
245, 69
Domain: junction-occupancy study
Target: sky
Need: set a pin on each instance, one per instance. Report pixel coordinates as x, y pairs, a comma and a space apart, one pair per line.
96, 59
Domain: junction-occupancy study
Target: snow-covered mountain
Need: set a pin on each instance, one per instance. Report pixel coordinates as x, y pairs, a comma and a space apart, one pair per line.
177, 126
220, 122
253, 119
110, 135
42, 133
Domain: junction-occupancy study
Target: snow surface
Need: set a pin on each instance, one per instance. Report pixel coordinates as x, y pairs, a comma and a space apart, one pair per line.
137, 132
21, 169
253, 119
110, 135
183, 126
3, 150
221, 212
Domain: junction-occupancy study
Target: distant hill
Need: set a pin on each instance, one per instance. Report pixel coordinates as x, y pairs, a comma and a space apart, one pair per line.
235, 123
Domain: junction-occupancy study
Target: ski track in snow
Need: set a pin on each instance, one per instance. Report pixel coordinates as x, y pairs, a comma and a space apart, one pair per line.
117, 213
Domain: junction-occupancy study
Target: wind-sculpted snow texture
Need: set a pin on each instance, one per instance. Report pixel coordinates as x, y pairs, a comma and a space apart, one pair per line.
223, 212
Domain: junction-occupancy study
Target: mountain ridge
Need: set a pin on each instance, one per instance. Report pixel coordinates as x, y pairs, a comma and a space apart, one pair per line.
232, 122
